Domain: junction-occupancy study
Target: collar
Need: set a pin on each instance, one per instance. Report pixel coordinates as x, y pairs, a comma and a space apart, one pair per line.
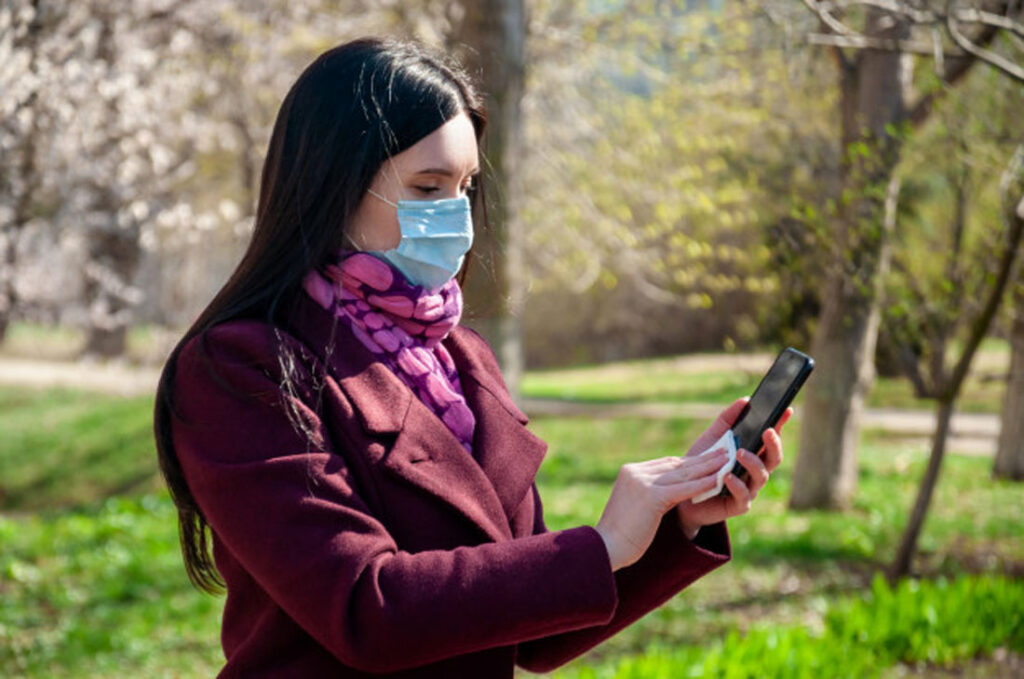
489, 489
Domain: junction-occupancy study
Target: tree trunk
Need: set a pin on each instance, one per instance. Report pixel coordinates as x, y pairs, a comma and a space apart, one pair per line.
1009, 462
908, 543
29, 181
114, 250
491, 40
28, 178
825, 475
104, 342
949, 386
8, 297
113, 260
872, 110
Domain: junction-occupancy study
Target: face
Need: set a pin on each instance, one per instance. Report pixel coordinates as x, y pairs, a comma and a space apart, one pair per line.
441, 165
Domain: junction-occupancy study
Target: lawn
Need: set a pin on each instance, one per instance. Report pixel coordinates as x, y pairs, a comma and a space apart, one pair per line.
146, 344
792, 571
685, 380
91, 583
61, 448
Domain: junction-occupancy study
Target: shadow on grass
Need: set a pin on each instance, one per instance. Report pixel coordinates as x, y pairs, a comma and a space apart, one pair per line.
63, 449
808, 555
26, 498
725, 394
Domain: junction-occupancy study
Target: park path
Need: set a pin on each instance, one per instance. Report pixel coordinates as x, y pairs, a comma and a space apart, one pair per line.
972, 433
108, 378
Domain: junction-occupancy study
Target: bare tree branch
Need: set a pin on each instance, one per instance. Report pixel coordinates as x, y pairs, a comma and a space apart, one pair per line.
974, 16
872, 43
918, 16
841, 36
821, 9
988, 56
939, 55
924, 17
954, 69
1008, 260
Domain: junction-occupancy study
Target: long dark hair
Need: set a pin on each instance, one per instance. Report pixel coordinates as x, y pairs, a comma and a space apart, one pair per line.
354, 107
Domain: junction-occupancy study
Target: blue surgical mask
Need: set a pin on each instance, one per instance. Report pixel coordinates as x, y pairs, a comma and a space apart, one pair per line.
436, 235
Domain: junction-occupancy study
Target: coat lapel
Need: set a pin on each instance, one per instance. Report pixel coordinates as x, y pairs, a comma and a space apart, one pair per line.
508, 453
418, 447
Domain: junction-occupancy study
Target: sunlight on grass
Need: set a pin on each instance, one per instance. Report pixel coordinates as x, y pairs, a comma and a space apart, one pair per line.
641, 383
146, 344
676, 380
101, 592
91, 583
858, 637
59, 447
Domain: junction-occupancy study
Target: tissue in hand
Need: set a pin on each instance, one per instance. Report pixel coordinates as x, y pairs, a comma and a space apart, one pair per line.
728, 442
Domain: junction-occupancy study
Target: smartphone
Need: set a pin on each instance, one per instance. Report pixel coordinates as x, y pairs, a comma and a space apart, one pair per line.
771, 398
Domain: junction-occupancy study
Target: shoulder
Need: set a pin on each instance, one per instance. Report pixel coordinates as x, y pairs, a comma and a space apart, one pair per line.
240, 379
240, 355
474, 344
475, 356
236, 341
478, 349
230, 345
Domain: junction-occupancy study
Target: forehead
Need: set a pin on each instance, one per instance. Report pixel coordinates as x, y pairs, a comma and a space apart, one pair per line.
453, 145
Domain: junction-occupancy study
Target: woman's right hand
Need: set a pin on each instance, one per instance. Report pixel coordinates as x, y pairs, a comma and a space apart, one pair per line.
643, 493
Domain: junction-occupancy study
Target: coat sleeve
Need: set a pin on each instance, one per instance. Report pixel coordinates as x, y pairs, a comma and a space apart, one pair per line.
670, 564
282, 503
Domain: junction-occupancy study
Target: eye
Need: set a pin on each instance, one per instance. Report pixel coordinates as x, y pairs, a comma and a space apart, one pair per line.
426, 189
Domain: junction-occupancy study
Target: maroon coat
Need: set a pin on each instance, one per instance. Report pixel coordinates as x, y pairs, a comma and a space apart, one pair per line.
374, 543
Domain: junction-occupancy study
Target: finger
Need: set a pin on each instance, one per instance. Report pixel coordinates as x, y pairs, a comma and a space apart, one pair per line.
784, 419
661, 464
675, 493
740, 494
727, 417
693, 468
722, 423
756, 469
772, 449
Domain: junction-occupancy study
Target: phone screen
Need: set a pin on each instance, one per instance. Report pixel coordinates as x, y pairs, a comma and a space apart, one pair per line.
771, 398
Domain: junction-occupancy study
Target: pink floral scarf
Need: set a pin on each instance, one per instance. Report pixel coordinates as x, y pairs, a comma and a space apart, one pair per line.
403, 325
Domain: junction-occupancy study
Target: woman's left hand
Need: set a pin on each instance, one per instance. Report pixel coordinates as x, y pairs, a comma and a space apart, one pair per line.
741, 494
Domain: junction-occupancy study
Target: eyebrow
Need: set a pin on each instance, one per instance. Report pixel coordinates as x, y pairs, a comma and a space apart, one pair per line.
445, 172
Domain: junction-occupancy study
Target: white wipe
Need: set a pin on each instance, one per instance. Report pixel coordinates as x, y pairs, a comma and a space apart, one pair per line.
728, 442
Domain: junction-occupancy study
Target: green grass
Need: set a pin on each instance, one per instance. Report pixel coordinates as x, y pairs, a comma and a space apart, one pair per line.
654, 380
145, 343
982, 394
663, 380
42, 341
939, 622
787, 565
60, 447
91, 582
100, 592
970, 512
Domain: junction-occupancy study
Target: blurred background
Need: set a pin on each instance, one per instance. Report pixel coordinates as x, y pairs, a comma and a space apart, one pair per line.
680, 189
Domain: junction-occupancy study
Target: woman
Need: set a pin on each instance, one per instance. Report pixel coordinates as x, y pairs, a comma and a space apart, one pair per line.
352, 453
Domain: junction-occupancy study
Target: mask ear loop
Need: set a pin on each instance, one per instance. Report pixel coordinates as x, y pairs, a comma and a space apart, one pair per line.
377, 195
374, 193
349, 239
